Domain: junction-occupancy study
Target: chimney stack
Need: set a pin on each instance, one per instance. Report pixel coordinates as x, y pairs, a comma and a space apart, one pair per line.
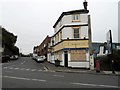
85, 4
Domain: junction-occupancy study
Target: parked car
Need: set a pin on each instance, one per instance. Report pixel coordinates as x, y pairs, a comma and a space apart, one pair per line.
14, 57
5, 58
43, 57
39, 59
34, 56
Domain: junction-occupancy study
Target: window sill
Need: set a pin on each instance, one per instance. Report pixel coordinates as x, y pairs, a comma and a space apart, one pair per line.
75, 20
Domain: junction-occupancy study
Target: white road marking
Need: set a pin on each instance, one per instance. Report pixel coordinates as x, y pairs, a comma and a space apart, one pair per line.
19, 64
4, 64
16, 77
58, 75
5, 67
22, 62
11, 68
45, 69
85, 84
40, 70
40, 80
33, 70
16, 68
8, 71
27, 69
22, 69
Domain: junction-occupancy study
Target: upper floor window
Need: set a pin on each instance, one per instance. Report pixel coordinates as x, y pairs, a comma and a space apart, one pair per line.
61, 35
76, 17
76, 33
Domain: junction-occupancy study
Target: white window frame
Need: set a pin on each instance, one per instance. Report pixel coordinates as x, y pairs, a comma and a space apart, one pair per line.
76, 17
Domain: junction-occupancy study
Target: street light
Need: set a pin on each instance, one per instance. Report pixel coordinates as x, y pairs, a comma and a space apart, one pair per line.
110, 50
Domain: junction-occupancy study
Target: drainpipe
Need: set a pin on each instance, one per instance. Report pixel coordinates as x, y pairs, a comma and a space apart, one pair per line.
91, 58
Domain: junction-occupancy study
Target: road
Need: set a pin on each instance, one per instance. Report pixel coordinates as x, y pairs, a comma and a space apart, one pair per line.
26, 73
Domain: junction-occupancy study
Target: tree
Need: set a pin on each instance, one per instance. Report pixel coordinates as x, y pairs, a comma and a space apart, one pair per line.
8, 38
8, 42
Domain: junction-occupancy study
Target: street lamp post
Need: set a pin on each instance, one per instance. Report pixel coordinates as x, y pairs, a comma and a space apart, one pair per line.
110, 50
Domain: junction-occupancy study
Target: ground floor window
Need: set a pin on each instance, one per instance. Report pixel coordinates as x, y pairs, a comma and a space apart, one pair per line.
78, 55
58, 55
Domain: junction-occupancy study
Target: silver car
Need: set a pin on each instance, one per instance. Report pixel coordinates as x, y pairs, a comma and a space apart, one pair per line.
39, 59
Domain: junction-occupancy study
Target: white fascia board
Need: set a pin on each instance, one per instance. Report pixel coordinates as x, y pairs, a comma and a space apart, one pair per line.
71, 24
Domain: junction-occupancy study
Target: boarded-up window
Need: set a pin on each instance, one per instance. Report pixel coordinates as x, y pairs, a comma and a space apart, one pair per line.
78, 55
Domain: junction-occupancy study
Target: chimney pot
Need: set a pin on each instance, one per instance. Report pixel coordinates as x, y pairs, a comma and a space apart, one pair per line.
85, 4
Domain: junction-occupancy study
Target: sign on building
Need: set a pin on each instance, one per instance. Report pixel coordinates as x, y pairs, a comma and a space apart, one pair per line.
109, 42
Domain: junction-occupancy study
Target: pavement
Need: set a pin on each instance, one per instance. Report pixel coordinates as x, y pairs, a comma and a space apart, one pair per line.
52, 68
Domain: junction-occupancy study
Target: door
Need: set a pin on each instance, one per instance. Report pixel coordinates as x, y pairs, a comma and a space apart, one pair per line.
66, 58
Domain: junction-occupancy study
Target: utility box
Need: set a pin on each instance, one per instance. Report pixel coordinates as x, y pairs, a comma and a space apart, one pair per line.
91, 62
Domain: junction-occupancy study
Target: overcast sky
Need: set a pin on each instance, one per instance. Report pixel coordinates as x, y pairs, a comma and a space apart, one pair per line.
33, 20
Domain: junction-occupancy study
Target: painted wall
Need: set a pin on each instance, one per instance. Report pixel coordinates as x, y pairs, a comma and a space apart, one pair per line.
48, 57
62, 62
83, 32
67, 19
71, 44
79, 64
83, 18
67, 32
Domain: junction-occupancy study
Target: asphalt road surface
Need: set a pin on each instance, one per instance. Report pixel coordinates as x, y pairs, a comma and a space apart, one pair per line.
26, 73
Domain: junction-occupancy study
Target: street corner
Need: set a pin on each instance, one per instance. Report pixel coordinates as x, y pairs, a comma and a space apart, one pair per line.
49, 67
